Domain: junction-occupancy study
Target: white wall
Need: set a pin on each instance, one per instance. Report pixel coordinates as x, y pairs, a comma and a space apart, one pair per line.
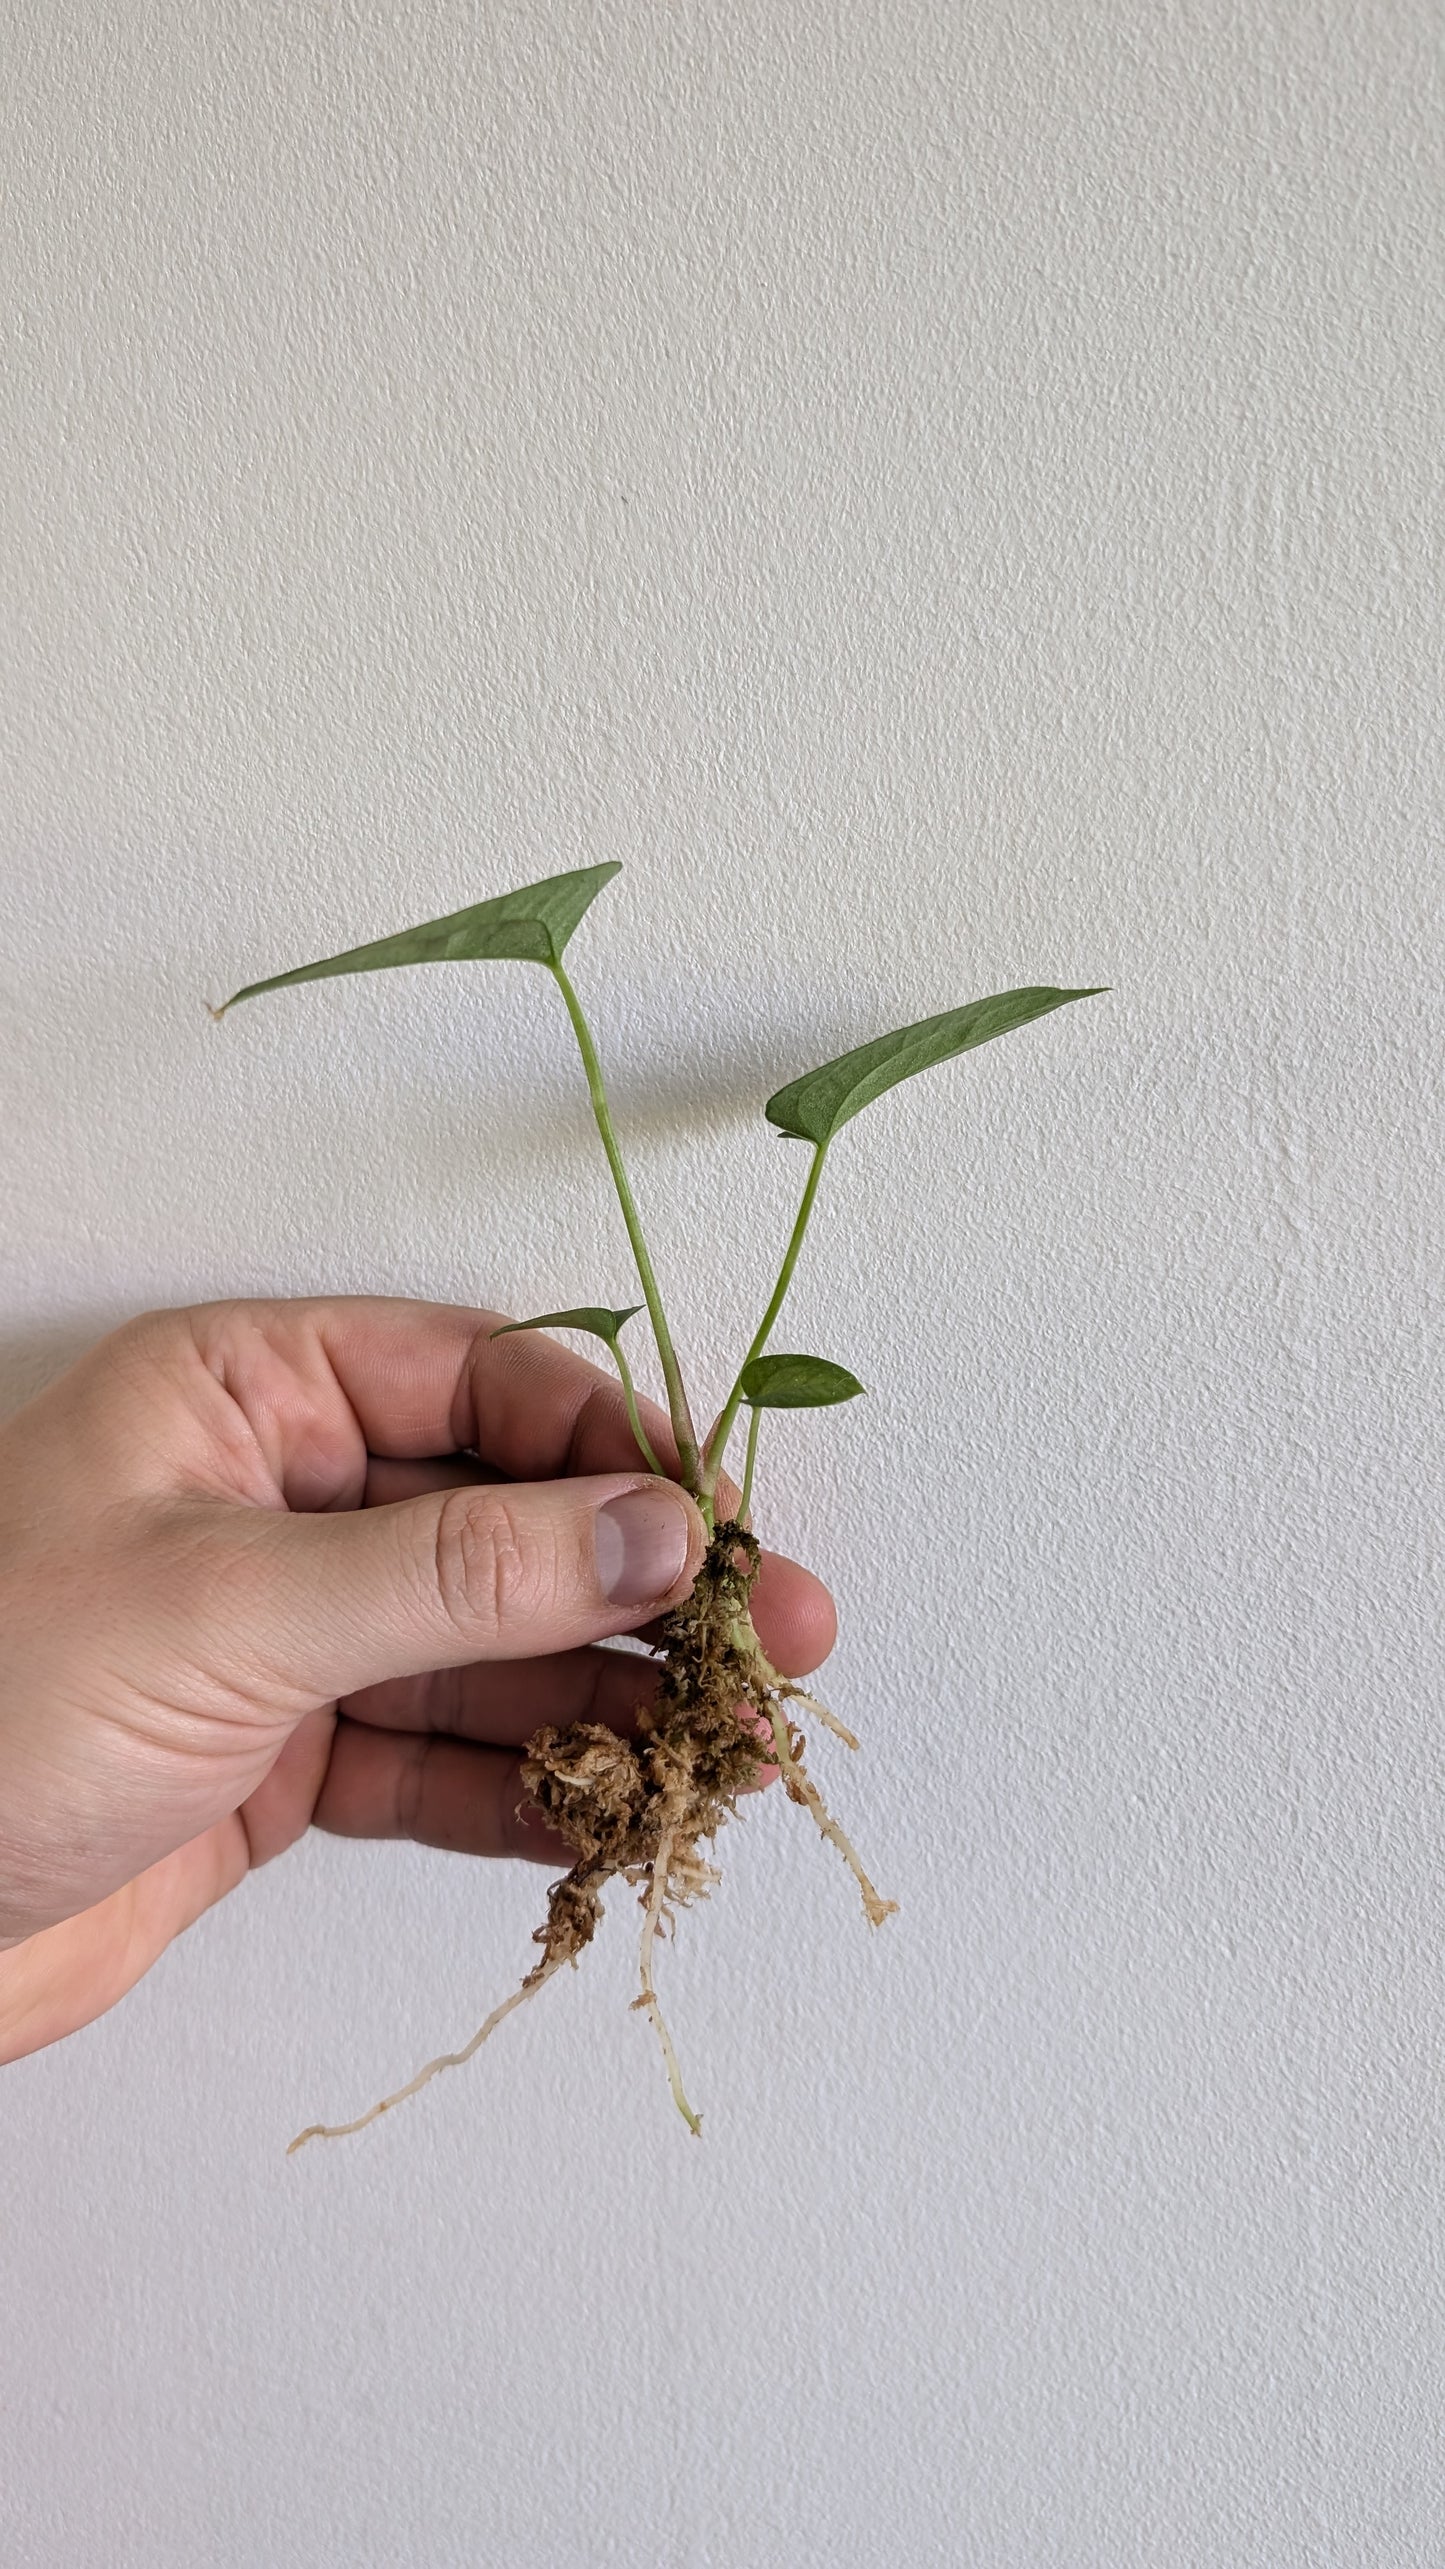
949, 496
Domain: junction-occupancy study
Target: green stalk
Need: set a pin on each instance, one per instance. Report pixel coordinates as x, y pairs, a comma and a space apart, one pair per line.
682, 1426
717, 1440
754, 1415
629, 1394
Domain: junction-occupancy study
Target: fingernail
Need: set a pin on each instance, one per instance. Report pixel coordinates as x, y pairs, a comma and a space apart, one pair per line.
642, 1543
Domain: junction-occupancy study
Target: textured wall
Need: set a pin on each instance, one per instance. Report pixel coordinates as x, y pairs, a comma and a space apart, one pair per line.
949, 496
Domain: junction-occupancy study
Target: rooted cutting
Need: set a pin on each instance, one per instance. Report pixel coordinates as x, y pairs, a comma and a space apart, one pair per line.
642, 1810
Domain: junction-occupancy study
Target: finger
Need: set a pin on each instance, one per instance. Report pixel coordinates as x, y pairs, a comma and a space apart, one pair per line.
436, 1792
504, 1702
328, 1603
321, 1384
388, 1480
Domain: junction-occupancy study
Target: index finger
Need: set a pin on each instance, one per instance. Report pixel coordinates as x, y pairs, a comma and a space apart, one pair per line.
325, 1381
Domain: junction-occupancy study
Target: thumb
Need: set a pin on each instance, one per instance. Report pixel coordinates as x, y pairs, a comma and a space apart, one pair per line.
506, 1571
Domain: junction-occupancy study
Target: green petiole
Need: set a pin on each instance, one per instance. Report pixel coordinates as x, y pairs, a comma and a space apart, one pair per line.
717, 1440
682, 1426
754, 1416
629, 1394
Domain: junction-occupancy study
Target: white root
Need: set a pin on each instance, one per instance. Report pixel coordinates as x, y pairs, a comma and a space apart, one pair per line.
448, 2060
800, 1784
830, 1721
657, 1894
803, 1789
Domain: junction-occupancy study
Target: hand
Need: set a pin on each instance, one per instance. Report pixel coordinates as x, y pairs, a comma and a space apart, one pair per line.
265, 1565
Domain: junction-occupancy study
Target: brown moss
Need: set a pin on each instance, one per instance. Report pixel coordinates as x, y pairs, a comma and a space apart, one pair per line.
698, 1746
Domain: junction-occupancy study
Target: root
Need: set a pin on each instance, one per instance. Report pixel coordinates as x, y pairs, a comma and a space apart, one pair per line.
830, 1721
639, 1810
801, 1788
448, 2060
657, 1894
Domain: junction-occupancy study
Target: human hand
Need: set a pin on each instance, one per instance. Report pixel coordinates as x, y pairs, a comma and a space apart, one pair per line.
252, 1579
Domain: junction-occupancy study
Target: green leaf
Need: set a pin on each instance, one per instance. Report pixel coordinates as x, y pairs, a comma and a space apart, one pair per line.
595, 1318
796, 1382
531, 926
815, 1106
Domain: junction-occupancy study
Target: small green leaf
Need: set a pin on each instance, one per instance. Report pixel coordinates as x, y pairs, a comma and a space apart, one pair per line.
815, 1106
595, 1318
531, 926
796, 1382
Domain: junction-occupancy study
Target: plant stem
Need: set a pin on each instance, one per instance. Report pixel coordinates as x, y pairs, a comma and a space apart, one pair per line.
629, 1394
754, 1417
682, 1426
717, 1440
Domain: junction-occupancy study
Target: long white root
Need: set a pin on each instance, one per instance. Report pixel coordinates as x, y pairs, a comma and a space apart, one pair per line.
810, 1704
799, 1784
801, 1788
657, 1893
447, 2060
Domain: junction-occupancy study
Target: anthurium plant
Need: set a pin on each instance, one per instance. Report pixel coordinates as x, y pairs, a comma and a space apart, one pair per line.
644, 1809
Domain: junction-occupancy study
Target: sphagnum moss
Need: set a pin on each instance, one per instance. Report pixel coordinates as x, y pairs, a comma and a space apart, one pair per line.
642, 1810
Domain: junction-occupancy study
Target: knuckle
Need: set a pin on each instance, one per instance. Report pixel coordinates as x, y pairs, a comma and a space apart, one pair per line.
493, 1577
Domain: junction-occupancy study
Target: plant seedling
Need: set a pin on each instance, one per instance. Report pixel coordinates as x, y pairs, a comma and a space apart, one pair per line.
643, 1809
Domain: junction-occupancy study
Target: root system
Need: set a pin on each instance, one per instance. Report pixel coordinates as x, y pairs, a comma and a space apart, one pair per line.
641, 1810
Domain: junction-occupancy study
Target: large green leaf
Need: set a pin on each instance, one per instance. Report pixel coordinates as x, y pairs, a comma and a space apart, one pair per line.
796, 1382
530, 926
594, 1317
815, 1106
